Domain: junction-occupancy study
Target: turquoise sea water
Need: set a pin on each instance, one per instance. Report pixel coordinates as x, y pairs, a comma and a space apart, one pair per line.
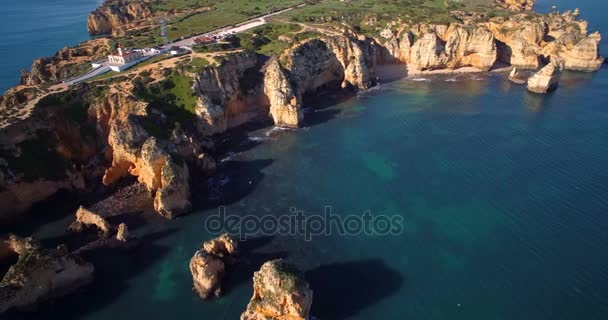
30, 29
503, 195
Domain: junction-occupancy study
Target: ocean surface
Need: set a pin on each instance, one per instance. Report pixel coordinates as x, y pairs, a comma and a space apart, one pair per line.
31, 29
503, 196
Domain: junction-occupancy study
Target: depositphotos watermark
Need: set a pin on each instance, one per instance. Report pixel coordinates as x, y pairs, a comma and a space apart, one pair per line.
297, 223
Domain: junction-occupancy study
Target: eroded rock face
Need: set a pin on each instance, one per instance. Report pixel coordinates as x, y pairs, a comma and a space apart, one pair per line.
116, 17
40, 274
448, 47
516, 77
208, 265
222, 246
517, 5
230, 94
526, 41
86, 217
279, 292
546, 79
336, 62
173, 195
122, 234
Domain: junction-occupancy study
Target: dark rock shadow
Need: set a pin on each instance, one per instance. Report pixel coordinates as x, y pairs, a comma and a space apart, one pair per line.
341, 290
249, 262
113, 269
235, 180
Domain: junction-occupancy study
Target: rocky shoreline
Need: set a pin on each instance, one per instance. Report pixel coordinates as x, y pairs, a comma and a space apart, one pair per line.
150, 127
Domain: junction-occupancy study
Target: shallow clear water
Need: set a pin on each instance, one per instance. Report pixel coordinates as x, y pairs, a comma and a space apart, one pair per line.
503, 195
30, 29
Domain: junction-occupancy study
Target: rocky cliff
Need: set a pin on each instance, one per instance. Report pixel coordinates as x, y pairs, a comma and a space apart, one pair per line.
429, 47
528, 41
116, 17
137, 125
40, 274
229, 94
67, 62
337, 62
517, 5
279, 292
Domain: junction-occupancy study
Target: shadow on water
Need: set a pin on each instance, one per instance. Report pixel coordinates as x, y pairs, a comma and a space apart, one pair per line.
113, 270
55, 208
250, 261
334, 286
236, 180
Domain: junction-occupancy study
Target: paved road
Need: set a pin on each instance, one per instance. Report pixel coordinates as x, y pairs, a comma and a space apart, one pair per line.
250, 24
189, 42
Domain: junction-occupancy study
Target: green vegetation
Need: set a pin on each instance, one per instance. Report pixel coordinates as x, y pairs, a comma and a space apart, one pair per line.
172, 96
195, 66
38, 158
220, 14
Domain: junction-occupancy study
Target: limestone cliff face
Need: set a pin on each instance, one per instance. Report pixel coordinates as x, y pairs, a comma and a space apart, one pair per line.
447, 47
527, 42
54, 148
116, 17
66, 63
229, 94
279, 292
40, 274
345, 61
517, 5
546, 79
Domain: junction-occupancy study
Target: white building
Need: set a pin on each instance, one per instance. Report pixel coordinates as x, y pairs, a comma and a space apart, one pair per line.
121, 56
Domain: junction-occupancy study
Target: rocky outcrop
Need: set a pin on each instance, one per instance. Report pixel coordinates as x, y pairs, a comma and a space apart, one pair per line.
279, 292
40, 274
546, 79
447, 47
517, 5
208, 265
230, 94
528, 41
116, 17
316, 64
67, 62
516, 77
173, 195
122, 233
86, 218
223, 246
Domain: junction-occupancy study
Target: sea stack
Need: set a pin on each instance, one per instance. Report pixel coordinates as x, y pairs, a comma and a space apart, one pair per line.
279, 292
208, 265
546, 79
516, 77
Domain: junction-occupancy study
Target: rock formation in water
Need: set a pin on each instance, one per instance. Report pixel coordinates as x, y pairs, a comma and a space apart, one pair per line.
517, 5
516, 77
208, 265
40, 274
279, 292
85, 218
122, 234
546, 79
115, 17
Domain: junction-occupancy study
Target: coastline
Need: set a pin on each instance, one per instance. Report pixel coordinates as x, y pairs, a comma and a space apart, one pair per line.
120, 115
